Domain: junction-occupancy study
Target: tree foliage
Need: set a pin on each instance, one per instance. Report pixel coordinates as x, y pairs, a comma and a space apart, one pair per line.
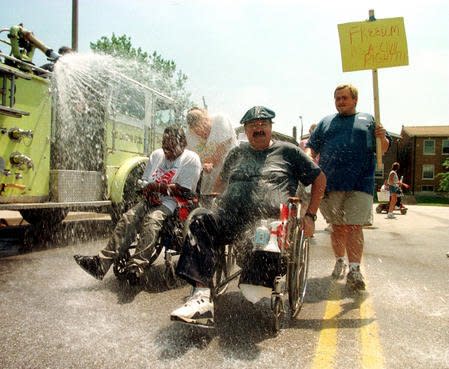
159, 73
444, 182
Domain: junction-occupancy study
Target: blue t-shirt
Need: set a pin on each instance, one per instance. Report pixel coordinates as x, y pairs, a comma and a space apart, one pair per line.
347, 146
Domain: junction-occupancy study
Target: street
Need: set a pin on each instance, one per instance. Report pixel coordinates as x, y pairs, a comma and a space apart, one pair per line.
54, 315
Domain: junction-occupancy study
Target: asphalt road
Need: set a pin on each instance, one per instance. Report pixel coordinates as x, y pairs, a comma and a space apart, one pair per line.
54, 315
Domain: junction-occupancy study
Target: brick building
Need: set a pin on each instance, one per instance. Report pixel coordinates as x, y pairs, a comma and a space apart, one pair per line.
422, 151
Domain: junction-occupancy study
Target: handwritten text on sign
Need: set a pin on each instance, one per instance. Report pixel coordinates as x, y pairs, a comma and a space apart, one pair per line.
371, 45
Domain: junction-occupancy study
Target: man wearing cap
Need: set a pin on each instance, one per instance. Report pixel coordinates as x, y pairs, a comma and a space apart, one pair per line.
259, 176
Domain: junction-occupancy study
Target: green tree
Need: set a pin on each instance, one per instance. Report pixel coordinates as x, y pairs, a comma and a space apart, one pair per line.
444, 183
153, 69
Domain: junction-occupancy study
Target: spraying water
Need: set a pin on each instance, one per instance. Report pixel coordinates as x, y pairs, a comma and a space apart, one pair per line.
92, 89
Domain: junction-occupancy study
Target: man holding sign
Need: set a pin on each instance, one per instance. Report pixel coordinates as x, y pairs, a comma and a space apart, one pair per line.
346, 143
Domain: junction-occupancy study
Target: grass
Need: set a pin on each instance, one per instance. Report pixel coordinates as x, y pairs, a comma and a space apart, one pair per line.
431, 200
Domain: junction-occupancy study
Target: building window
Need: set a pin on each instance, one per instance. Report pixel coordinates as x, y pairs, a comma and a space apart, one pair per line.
428, 171
445, 147
427, 188
429, 147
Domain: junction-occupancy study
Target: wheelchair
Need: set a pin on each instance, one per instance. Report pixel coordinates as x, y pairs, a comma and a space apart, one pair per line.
291, 281
170, 239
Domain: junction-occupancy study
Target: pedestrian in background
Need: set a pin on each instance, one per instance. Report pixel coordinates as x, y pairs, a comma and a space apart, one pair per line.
303, 142
346, 143
394, 186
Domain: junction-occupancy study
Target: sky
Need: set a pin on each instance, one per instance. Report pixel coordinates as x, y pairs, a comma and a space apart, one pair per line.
283, 54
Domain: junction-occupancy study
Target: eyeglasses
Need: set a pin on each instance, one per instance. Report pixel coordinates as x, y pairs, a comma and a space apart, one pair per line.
258, 123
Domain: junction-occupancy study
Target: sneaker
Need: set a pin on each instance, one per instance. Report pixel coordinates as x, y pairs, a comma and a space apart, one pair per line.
391, 216
339, 269
198, 310
90, 264
355, 280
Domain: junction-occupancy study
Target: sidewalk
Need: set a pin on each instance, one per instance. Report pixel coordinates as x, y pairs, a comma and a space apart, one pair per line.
13, 218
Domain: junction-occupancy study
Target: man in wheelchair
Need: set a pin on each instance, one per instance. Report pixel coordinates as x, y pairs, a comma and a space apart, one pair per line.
171, 171
260, 175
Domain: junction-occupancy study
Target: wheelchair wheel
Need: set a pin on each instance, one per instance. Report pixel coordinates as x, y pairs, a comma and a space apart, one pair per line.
297, 270
223, 271
120, 264
277, 306
120, 267
379, 209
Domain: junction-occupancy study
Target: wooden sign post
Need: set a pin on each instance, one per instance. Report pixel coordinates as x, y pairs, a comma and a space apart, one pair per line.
371, 45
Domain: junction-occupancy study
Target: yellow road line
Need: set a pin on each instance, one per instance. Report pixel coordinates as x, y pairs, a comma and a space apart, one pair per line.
371, 349
327, 343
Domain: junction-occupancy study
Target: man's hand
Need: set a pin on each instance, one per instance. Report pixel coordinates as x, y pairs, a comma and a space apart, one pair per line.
150, 194
380, 132
308, 225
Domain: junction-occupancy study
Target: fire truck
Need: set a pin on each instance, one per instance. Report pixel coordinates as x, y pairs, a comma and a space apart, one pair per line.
40, 175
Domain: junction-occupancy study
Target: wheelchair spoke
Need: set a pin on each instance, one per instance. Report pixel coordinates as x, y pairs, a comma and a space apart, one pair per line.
297, 271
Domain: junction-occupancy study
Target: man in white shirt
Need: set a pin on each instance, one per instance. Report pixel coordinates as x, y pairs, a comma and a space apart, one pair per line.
211, 137
171, 171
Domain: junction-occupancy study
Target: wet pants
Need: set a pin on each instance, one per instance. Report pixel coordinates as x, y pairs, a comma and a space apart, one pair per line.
208, 234
143, 218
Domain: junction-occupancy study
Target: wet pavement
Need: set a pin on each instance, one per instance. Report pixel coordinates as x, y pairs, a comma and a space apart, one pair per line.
54, 315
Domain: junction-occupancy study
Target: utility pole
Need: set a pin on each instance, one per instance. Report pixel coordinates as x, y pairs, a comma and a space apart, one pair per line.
204, 103
75, 25
302, 128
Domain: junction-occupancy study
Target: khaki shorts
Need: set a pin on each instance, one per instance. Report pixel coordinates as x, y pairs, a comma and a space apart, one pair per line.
354, 207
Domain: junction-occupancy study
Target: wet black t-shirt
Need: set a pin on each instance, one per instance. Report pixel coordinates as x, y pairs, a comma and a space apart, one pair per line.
259, 181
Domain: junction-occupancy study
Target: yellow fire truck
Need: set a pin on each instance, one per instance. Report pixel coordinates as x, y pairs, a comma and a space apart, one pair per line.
40, 175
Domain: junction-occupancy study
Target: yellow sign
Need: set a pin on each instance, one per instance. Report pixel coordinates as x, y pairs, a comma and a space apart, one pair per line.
373, 44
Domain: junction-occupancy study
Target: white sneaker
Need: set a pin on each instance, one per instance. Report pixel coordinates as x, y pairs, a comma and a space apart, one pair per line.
339, 270
391, 216
198, 310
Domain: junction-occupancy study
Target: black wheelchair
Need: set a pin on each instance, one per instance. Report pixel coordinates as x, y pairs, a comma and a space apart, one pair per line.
291, 281
170, 240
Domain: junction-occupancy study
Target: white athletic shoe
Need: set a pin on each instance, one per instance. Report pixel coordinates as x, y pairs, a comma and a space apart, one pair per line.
198, 310
391, 216
339, 269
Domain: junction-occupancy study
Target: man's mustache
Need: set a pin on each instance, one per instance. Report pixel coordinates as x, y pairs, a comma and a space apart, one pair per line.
259, 134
